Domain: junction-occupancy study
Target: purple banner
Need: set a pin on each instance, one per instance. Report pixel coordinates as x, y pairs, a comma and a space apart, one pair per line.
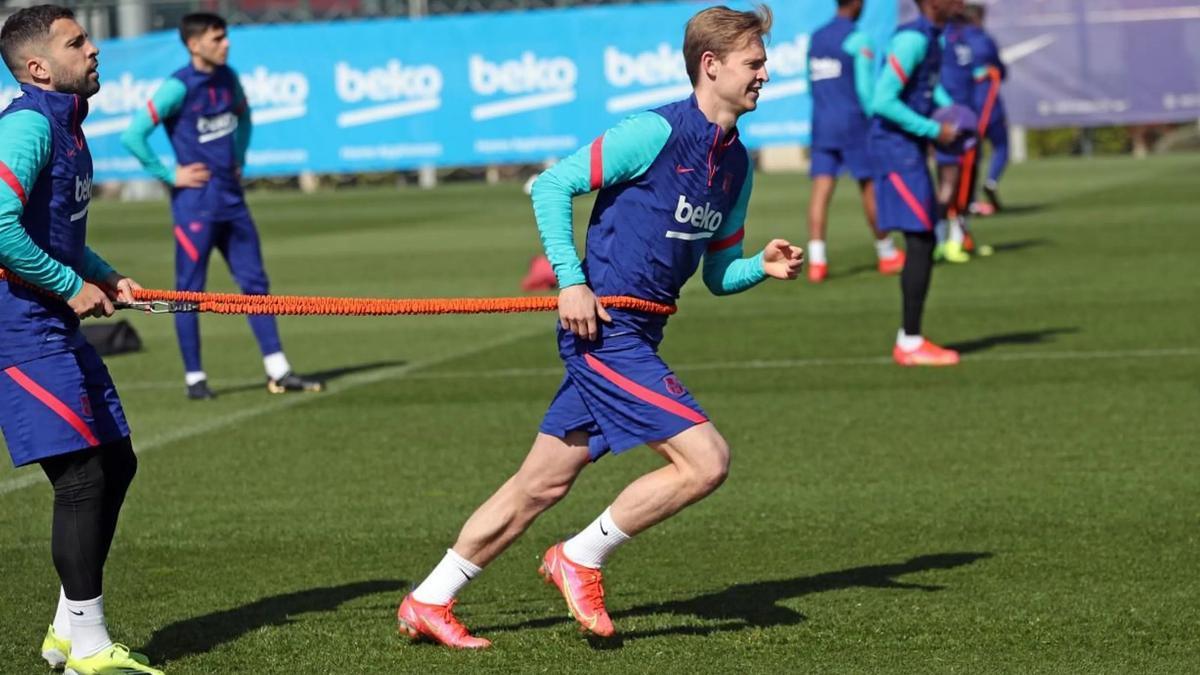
1098, 62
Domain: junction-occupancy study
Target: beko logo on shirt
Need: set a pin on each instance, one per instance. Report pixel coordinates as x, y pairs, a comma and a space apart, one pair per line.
962, 53
83, 188
216, 126
824, 68
704, 217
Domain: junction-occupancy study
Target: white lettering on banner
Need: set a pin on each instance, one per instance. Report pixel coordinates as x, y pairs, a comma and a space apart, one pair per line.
540, 144
704, 217
399, 89
120, 97
268, 157
662, 69
824, 68
1181, 101
531, 83
1082, 106
275, 96
7, 94
391, 152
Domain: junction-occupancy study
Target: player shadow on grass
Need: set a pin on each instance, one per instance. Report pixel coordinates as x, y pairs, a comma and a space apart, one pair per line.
202, 634
1028, 337
322, 375
756, 604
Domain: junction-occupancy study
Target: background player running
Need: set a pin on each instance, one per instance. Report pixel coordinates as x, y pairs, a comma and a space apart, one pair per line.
905, 97
674, 185
841, 67
207, 119
58, 405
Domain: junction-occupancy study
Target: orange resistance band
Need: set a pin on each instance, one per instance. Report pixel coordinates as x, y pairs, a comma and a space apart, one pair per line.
232, 303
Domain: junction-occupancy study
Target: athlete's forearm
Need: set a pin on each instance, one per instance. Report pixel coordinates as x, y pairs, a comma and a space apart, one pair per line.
95, 268
165, 103
20, 255
906, 51
727, 272
858, 46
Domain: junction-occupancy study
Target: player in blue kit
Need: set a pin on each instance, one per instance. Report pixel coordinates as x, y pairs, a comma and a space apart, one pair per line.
673, 184
901, 131
841, 69
207, 119
957, 78
58, 405
993, 121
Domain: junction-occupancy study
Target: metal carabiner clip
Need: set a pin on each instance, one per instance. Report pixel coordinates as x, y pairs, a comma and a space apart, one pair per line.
159, 306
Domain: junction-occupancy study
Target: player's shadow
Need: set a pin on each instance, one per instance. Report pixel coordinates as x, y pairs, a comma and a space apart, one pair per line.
1022, 209
324, 375
1029, 337
757, 604
201, 634
1019, 244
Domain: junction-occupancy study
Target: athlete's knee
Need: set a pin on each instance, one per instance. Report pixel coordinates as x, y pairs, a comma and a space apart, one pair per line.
709, 466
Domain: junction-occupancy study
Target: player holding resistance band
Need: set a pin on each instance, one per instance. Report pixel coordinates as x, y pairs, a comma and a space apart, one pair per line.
674, 186
58, 405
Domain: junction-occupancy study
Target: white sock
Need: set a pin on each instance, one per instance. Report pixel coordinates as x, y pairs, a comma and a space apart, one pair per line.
596, 542
908, 343
62, 618
885, 248
991, 185
816, 252
89, 631
939, 231
276, 365
446, 580
193, 376
956, 230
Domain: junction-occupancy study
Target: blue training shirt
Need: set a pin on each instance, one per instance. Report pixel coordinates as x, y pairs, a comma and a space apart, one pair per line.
673, 190
841, 67
906, 94
958, 65
45, 193
989, 72
207, 120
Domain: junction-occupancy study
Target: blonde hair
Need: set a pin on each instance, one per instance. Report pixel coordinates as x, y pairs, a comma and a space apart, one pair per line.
721, 30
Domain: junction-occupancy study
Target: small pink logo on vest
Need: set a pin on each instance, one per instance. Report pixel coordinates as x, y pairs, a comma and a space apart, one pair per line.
196, 226
85, 405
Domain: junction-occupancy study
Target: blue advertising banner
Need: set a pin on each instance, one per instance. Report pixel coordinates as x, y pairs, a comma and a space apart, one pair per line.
453, 91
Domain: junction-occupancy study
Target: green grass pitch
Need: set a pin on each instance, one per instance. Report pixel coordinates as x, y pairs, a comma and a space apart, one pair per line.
1033, 510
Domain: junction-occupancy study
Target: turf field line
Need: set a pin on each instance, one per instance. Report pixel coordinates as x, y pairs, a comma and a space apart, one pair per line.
742, 365
34, 475
836, 361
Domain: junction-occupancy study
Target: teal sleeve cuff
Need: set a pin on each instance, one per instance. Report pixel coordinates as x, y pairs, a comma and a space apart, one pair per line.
725, 271
941, 97
165, 103
95, 268
619, 155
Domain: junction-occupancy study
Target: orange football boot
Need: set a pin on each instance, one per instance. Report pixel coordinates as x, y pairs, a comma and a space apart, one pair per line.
893, 264
817, 272
419, 620
582, 587
540, 276
928, 354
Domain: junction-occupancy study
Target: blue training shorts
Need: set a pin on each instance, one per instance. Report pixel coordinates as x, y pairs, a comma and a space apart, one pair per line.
906, 201
854, 159
622, 394
58, 404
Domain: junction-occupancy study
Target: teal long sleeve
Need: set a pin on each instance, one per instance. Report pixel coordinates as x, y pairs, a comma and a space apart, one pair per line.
858, 45
165, 102
621, 154
907, 50
725, 270
25, 143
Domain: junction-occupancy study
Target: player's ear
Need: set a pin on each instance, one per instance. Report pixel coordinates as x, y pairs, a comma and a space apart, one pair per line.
37, 67
708, 64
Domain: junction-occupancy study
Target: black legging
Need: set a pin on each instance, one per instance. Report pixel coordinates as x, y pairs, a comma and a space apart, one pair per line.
914, 279
89, 488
